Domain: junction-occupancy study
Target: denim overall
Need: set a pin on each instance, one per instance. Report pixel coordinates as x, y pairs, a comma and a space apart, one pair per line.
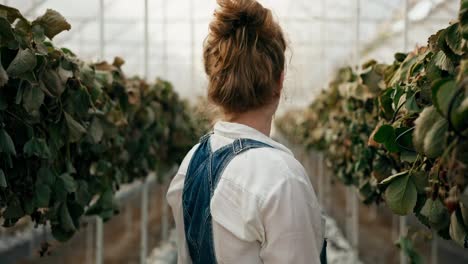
203, 174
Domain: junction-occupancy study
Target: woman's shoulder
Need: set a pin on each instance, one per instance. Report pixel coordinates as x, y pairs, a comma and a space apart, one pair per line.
259, 171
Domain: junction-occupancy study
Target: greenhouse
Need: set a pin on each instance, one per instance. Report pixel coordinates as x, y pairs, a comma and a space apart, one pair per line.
234, 131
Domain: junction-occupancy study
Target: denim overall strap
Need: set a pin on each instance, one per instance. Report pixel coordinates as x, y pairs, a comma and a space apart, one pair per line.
202, 176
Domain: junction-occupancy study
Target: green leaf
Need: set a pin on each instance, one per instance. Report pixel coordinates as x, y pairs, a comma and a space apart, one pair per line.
6, 143
436, 213
384, 133
463, 18
436, 139
52, 22
7, 35
83, 197
454, 39
442, 93
66, 221
68, 182
24, 62
411, 104
46, 176
14, 209
37, 147
401, 195
428, 117
3, 182
387, 136
3, 75
42, 195
60, 234
420, 179
33, 97
75, 129
460, 116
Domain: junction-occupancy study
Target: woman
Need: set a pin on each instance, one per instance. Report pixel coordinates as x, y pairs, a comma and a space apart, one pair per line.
239, 196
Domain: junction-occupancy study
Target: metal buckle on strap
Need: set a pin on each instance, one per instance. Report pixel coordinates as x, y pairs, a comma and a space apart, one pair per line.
237, 146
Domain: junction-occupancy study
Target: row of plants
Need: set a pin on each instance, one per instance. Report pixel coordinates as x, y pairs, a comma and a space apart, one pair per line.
399, 132
72, 132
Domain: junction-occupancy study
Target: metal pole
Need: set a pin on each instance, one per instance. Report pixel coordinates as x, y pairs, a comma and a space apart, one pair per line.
192, 44
165, 216
99, 224
320, 178
434, 249
144, 223
354, 202
146, 42
89, 243
164, 39
101, 30
99, 240
403, 224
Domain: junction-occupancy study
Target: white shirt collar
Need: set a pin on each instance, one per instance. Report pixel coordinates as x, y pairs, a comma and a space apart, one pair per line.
236, 130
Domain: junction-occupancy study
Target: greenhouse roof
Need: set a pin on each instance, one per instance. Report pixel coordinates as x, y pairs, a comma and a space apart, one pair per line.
322, 35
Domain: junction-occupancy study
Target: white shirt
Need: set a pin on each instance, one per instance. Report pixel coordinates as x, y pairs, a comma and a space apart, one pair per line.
264, 209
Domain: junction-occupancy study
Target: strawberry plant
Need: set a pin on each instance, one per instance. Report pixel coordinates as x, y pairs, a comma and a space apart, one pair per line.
398, 132
72, 132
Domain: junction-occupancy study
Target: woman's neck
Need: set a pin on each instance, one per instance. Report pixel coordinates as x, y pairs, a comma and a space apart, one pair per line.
260, 119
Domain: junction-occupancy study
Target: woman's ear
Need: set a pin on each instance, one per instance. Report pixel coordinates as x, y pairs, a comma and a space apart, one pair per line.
280, 84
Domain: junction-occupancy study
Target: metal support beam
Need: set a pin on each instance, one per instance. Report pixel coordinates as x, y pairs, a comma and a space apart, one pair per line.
99, 240
101, 30
192, 44
146, 41
164, 39
352, 195
144, 223
403, 224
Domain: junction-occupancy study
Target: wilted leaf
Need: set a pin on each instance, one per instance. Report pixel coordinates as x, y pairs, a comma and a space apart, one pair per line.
24, 61
428, 117
401, 195
10, 13
443, 62
52, 82
52, 22
3, 182
458, 230
95, 130
435, 140
6, 143
33, 97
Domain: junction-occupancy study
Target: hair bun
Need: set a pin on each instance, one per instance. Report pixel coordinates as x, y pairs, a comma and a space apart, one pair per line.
238, 14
